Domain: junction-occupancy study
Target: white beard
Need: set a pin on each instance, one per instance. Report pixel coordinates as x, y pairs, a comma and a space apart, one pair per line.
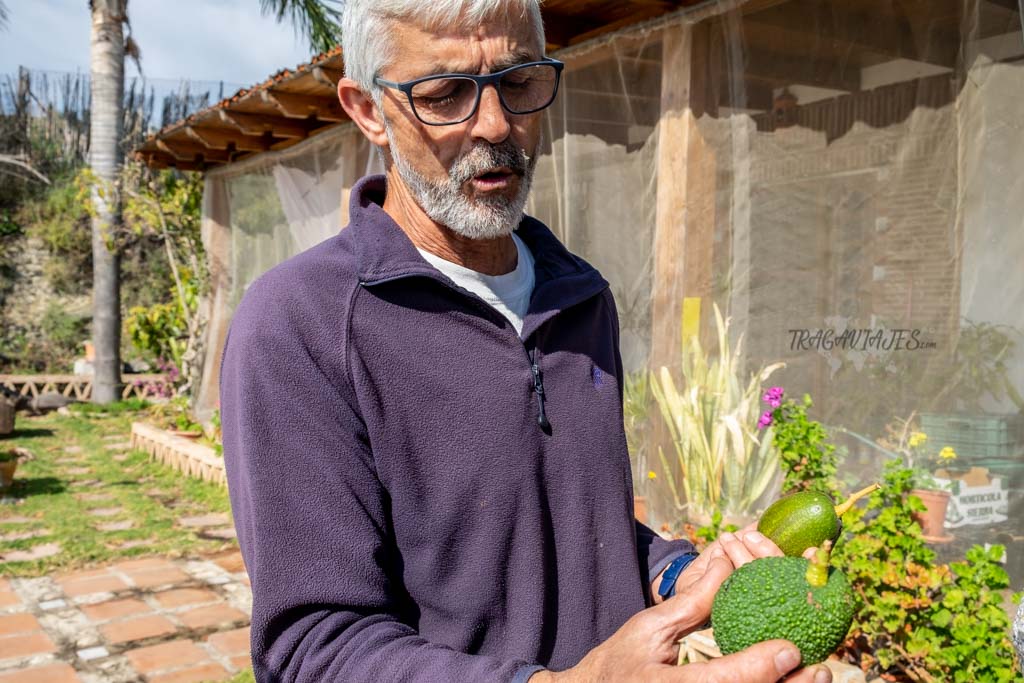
446, 204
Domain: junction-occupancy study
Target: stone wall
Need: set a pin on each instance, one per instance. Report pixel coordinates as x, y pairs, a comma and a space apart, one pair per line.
25, 294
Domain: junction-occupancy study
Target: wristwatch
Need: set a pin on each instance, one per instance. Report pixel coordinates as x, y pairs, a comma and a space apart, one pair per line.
667, 587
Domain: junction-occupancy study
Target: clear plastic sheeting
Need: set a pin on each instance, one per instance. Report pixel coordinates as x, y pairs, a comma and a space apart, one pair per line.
844, 180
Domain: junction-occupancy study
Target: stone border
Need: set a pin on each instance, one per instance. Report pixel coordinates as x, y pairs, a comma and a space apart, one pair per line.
186, 456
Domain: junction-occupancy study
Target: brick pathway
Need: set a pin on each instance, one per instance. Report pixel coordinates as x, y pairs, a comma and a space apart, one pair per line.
152, 619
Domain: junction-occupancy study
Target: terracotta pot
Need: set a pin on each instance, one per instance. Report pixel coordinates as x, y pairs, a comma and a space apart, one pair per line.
933, 519
7, 468
640, 508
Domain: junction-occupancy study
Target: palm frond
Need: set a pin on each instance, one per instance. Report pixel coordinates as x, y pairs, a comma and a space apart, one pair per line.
318, 21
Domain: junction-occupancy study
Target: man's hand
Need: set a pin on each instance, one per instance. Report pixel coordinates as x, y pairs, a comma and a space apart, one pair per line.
646, 647
740, 548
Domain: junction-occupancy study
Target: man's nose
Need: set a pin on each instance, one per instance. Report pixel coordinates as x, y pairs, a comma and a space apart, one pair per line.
491, 121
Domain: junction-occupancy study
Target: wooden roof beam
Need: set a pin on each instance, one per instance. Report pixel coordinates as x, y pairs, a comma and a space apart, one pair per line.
229, 139
159, 161
303, 106
258, 124
325, 75
189, 151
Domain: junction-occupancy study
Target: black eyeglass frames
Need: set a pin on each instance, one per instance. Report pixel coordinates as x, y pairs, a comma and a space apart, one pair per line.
448, 99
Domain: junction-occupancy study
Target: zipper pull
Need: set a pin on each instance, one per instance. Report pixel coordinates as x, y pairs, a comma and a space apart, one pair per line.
538, 386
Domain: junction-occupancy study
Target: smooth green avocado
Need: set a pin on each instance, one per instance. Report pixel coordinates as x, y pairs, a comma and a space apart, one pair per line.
805, 520
807, 603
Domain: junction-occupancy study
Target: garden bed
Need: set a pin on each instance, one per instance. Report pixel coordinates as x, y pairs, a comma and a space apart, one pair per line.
185, 455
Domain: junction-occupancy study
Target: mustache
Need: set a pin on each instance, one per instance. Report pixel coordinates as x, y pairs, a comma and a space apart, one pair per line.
485, 157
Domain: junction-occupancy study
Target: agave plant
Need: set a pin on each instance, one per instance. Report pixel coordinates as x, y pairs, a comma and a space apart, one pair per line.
722, 462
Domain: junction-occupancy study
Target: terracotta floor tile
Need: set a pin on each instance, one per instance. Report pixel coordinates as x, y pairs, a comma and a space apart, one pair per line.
99, 584
241, 662
209, 671
165, 655
9, 599
137, 629
25, 644
51, 673
179, 597
18, 623
114, 609
231, 563
158, 577
144, 564
212, 615
232, 642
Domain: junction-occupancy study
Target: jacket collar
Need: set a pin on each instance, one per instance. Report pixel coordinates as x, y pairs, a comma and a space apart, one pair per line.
385, 252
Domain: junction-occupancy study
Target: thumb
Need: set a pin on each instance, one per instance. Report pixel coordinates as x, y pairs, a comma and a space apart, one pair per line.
765, 662
691, 605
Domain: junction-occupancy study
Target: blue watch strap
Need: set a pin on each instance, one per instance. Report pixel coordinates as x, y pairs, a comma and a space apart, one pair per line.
667, 587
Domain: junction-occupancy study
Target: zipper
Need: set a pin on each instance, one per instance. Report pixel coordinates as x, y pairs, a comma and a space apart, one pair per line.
538, 387
538, 380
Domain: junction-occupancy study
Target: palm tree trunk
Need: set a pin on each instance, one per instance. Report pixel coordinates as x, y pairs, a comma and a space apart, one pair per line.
105, 156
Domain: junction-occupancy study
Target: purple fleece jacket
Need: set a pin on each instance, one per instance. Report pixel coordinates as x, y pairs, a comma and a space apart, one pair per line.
405, 509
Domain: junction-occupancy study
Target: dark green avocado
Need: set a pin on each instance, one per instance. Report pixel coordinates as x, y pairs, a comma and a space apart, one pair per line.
807, 603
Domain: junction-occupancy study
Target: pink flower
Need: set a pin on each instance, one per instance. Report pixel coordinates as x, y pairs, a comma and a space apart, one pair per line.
766, 420
773, 397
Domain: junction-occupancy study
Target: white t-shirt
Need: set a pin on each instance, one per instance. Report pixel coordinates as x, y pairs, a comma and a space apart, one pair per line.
509, 294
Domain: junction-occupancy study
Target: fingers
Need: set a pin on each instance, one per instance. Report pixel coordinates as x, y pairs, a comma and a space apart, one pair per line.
766, 662
747, 546
809, 553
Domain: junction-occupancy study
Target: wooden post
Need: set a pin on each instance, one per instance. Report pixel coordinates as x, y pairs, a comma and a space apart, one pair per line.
685, 224
217, 242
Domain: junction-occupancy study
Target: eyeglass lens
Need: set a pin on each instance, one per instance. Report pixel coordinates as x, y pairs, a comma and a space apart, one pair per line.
448, 99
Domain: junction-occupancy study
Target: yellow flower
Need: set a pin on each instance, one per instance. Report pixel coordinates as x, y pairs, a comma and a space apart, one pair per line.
947, 453
651, 475
917, 439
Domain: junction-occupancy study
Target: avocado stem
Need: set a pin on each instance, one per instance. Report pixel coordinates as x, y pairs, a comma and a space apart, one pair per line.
843, 508
817, 571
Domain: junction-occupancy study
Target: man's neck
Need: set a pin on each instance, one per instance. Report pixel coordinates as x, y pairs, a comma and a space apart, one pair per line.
491, 257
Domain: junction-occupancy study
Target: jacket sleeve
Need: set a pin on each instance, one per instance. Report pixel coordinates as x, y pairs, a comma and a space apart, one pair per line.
654, 552
312, 516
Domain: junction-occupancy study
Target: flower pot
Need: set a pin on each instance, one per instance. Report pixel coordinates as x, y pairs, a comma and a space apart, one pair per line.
640, 508
933, 519
7, 468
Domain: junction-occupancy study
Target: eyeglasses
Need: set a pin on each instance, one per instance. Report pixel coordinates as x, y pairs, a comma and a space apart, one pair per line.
449, 99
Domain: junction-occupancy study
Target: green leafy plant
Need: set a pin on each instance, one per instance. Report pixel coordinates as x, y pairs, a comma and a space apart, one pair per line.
807, 457
917, 619
721, 462
705, 535
636, 405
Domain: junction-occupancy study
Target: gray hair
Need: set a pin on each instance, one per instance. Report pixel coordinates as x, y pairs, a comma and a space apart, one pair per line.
365, 34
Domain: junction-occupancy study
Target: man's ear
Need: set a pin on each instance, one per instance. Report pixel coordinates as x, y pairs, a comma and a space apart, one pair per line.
361, 108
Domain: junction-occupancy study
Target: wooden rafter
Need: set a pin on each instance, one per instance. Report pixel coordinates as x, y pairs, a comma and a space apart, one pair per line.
183, 150
328, 76
258, 124
229, 139
304, 106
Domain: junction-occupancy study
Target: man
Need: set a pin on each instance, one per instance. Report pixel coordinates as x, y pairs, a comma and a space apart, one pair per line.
422, 415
